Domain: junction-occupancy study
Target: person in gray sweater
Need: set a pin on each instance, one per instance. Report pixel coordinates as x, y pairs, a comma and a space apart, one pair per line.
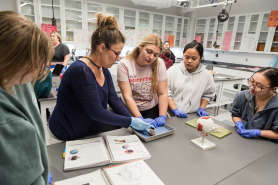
255, 111
190, 85
24, 51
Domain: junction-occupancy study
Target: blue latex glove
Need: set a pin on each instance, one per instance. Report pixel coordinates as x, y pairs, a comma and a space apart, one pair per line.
148, 120
161, 120
64, 70
201, 112
179, 113
140, 125
251, 133
240, 126
49, 178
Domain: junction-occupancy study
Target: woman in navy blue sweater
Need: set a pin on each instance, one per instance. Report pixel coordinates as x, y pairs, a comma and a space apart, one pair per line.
87, 87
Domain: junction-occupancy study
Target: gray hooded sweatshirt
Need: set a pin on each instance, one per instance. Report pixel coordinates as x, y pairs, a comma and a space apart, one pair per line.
188, 89
266, 119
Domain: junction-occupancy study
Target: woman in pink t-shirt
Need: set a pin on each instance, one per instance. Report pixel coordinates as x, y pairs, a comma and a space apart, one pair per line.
142, 78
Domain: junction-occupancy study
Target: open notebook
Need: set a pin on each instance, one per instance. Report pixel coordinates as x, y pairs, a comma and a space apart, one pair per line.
93, 152
131, 173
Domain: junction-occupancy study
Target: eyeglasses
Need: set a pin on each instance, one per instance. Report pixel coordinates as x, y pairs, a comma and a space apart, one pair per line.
117, 54
257, 87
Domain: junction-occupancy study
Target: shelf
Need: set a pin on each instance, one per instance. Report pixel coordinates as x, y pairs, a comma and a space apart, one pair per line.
156, 29
73, 9
169, 30
129, 16
263, 31
253, 21
50, 18
169, 22
241, 22
69, 30
29, 15
144, 18
201, 24
50, 5
237, 41
274, 42
73, 20
93, 11
157, 20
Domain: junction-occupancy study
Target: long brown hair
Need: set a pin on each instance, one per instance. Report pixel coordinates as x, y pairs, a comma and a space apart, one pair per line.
22, 44
149, 39
107, 32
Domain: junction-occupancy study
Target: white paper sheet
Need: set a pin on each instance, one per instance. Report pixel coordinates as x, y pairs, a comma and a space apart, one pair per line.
94, 178
82, 39
248, 42
86, 152
125, 148
143, 30
132, 173
130, 37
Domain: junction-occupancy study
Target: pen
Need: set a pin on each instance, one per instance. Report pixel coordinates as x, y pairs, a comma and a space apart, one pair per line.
64, 152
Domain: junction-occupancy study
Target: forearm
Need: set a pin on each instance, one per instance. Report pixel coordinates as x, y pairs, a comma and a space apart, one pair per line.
235, 119
66, 60
269, 134
163, 104
171, 103
132, 107
203, 103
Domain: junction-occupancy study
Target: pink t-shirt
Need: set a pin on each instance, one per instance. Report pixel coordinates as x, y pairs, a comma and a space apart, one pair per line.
140, 79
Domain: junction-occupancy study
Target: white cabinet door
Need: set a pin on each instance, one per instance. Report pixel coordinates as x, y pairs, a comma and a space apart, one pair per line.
185, 29
73, 17
115, 11
229, 25
211, 32
179, 31
130, 19
92, 9
240, 29
200, 29
29, 8
263, 34
273, 41
158, 25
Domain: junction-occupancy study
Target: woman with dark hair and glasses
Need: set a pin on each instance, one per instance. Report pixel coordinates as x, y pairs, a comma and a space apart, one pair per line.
190, 85
87, 87
255, 111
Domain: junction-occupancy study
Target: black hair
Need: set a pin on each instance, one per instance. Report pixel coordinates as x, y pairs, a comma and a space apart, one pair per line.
167, 53
166, 41
198, 46
271, 74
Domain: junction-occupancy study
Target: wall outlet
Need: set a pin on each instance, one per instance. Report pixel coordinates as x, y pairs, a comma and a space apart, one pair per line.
246, 60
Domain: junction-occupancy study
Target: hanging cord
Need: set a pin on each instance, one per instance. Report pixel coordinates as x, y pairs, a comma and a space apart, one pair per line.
53, 19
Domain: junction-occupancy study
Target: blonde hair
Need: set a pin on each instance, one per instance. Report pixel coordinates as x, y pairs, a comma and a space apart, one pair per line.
149, 39
107, 32
58, 35
23, 44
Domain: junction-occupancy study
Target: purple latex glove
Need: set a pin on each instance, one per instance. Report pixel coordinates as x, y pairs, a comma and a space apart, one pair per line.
179, 113
240, 126
251, 133
201, 112
161, 120
148, 120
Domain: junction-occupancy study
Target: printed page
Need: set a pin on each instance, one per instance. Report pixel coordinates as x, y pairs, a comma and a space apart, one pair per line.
132, 173
85, 152
94, 178
124, 148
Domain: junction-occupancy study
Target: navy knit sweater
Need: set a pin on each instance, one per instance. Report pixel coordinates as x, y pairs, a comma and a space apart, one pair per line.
81, 108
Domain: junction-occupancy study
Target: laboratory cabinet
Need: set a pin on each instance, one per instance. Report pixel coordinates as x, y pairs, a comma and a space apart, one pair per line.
240, 24
80, 14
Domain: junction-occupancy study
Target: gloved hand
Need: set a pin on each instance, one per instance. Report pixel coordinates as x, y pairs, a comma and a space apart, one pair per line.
240, 126
140, 125
251, 133
148, 120
161, 120
179, 113
201, 112
49, 178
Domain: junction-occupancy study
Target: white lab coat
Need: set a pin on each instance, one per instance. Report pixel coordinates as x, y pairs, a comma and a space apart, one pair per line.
188, 89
